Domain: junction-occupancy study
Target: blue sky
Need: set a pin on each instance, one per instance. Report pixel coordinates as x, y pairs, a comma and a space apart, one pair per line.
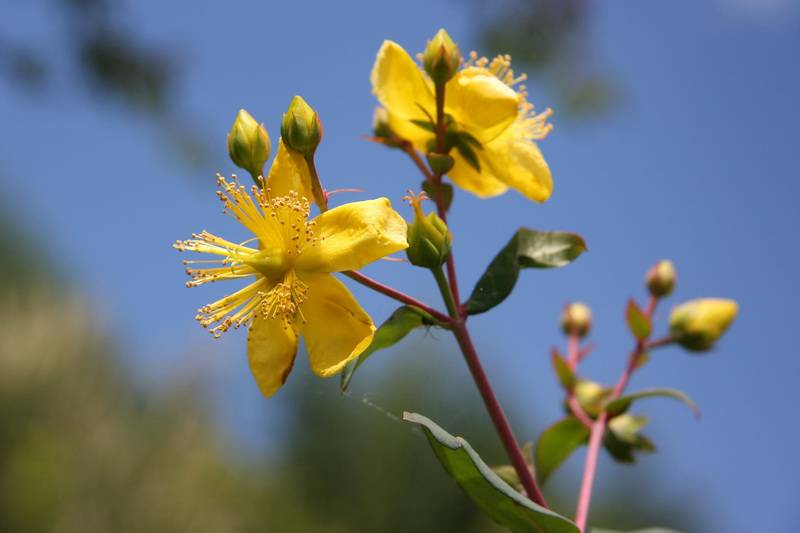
697, 164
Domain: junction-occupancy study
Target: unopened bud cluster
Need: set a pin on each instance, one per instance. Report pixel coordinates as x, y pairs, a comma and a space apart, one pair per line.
576, 319
301, 129
441, 58
698, 324
248, 144
661, 279
429, 239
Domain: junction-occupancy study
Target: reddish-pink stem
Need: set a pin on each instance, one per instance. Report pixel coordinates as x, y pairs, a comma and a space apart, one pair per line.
574, 352
397, 295
496, 413
409, 149
599, 428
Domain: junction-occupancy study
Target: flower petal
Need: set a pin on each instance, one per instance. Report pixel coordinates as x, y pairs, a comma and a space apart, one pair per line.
481, 184
399, 84
271, 349
353, 235
516, 161
336, 329
289, 172
481, 103
405, 129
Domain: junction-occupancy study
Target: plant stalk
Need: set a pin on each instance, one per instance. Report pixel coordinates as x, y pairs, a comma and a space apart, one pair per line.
599, 428
397, 295
496, 413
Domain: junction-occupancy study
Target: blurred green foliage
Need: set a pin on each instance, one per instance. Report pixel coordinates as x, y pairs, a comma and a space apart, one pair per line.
548, 39
83, 448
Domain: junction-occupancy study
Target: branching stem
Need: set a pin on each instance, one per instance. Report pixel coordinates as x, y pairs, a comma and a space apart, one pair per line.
601, 423
397, 295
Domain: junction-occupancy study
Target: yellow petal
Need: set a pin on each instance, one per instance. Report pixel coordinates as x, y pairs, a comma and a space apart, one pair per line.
481, 103
516, 161
353, 235
400, 85
289, 172
271, 349
336, 329
409, 131
481, 184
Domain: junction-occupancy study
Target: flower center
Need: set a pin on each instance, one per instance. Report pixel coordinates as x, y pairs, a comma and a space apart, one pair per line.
290, 213
273, 263
282, 302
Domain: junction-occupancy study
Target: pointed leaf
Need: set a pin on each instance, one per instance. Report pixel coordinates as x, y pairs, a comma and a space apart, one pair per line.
442, 188
469, 155
564, 373
393, 330
557, 443
527, 249
494, 496
638, 322
623, 403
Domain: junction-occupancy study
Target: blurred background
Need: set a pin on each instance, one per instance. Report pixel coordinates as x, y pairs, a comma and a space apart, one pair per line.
675, 137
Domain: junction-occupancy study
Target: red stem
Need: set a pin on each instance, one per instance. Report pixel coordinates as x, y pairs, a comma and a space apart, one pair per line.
496, 413
573, 358
599, 428
409, 149
397, 295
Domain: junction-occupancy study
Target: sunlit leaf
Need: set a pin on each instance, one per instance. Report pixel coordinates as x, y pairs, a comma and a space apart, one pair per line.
623, 403
564, 373
637, 321
527, 249
393, 330
494, 496
557, 443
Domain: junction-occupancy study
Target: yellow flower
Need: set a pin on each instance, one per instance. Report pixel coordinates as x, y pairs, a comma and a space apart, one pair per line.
292, 291
698, 324
486, 102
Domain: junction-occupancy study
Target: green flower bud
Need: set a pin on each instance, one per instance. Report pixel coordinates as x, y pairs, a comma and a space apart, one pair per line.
441, 58
248, 144
429, 239
591, 396
576, 319
301, 129
626, 427
698, 324
661, 278
440, 163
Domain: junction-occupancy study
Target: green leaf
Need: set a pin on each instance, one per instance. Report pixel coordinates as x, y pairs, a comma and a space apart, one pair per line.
494, 496
556, 443
623, 451
424, 124
527, 249
398, 325
623, 403
434, 190
469, 155
564, 373
638, 322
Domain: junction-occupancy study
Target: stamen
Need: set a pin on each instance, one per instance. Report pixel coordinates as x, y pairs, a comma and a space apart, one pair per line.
281, 226
283, 301
415, 199
533, 126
